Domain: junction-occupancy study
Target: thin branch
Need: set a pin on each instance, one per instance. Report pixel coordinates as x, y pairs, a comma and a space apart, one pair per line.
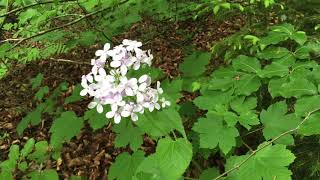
32, 5
266, 145
7, 40
69, 61
92, 25
65, 25
247, 146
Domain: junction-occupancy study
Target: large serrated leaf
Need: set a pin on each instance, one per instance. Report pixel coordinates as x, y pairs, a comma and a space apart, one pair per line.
270, 162
126, 162
67, 126
195, 64
170, 161
128, 134
161, 123
276, 121
247, 64
213, 133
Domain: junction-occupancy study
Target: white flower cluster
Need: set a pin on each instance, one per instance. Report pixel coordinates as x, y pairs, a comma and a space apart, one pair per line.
126, 96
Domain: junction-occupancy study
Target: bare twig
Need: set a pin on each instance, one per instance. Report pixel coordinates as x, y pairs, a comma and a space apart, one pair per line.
92, 25
32, 5
69, 61
266, 145
63, 26
247, 146
7, 40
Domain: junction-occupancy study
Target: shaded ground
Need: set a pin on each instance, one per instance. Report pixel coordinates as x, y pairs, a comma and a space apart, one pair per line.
91, 153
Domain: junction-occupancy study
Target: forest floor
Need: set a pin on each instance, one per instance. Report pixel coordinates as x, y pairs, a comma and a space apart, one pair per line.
92, 152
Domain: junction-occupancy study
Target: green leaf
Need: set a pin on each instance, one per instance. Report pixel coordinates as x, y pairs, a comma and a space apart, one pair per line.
172, 90
300, 37
161, 123
28, 147
243, 104
311, 125
128, 134
47, 174
274, 86
40, 153
242, 83
298, 87
284, 28
274, 70
154, 73
75, 96
33, 117
95, 119
273, 38
67, 126
36, 82
307, 104
213, 132
209, 174
126, 162
170, 161
247, 84
6, 175
269, 163
87, 38
244, 107
23, 166
14, 153
210, 99
195, 64
273, 53
247, 64
276, 121
41, 92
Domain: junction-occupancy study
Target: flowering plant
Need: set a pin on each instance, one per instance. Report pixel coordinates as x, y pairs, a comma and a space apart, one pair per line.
109, 84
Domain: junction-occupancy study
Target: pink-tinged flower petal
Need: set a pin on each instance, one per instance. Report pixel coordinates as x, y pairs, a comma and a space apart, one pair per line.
129, 92
142, 86
99, 108
91, 105
110, 114
157, 106
93, 62
125, 113
99, 52
94, 70
151, 107
133, 81
114, 107
143, 78
106, 47
102, 72
123, 70
83, 92
136, 65
134, 117
89, 78
126, 42
117, 118
115, 64
110, 78
121, 103
140, 97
